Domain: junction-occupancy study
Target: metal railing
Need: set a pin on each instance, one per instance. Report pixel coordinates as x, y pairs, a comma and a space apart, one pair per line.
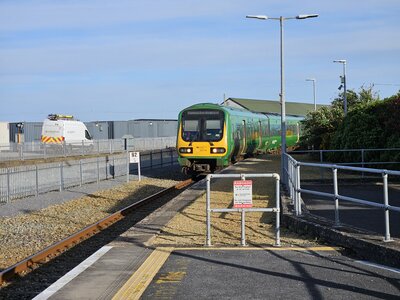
363, 155
295, 189
32, 180
39, 150
275, 209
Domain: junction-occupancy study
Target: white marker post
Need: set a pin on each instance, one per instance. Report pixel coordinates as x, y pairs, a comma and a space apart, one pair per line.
134, 158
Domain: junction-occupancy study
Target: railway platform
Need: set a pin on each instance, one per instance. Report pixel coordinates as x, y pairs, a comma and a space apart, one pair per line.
165, 257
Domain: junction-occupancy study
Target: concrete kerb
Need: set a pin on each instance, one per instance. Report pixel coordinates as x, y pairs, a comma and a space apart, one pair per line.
364, 244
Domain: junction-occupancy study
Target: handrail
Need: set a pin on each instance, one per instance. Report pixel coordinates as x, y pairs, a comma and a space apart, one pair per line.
294, 186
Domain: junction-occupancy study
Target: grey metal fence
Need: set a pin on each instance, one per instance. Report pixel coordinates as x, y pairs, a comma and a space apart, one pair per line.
24, 181
39, 150
295, 189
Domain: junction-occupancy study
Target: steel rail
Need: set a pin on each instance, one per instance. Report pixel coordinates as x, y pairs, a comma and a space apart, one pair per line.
72, 240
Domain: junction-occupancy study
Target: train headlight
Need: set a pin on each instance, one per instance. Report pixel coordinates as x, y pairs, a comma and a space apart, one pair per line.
186, 150
217, 150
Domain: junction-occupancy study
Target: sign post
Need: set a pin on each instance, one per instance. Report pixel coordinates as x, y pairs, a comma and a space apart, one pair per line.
243, 198
134, 158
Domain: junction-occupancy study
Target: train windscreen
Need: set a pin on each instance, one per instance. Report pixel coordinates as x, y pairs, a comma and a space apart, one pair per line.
202, 125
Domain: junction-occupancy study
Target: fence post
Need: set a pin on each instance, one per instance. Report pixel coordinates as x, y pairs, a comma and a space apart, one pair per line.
127, 166
298, 196
83, 148
113, 168
362, 162
8, 185
80, 172
161, 158
44, 151
386, 202
151, 159
277, 218
362, 158
98, 170
336, 193
290, 165
208, 212
294, 181
19, 151
61, 176
64, 146
321, 160
243, 222
37, 180
110, 146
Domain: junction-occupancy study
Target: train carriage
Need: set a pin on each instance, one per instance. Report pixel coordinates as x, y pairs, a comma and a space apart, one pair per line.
211, 136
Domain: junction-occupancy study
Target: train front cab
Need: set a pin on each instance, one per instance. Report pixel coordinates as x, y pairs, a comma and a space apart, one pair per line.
202, 140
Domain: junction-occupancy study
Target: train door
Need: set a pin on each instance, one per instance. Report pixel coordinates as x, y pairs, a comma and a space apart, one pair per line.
260, 134
298, 131
244, 139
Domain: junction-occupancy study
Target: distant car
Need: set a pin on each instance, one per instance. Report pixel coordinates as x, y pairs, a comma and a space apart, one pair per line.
60, 129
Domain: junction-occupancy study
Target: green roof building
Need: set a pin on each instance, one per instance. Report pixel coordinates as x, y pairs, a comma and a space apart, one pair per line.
271, 106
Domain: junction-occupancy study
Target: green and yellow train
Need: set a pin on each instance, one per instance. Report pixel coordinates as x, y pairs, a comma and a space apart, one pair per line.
211, 136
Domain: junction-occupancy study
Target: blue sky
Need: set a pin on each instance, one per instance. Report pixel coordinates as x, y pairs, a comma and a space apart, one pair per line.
122, 60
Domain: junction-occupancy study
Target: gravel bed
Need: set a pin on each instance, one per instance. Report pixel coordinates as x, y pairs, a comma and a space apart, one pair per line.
26, 234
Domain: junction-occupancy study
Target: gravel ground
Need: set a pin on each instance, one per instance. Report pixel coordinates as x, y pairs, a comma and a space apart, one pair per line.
188, 227
25, 234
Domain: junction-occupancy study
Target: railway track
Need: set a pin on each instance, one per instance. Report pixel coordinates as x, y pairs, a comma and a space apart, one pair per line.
55, 250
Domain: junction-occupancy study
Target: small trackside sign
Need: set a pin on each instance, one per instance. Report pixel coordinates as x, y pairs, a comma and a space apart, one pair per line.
242, 193
134, 157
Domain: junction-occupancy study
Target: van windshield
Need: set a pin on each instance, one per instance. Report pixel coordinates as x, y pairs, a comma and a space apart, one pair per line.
87, 135
202, 125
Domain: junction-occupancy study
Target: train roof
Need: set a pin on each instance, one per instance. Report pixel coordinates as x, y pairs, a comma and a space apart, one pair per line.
271, 106
237, 110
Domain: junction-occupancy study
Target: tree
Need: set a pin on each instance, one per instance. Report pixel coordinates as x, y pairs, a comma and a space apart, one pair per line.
319, 127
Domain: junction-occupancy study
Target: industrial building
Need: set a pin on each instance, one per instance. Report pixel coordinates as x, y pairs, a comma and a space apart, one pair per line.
100, 130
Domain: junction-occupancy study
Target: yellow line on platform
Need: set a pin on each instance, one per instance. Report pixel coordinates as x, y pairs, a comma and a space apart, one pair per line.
139, 281
322, 248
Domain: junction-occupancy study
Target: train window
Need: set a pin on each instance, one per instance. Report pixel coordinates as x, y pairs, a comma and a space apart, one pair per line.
213, 130
191, 130
202, 125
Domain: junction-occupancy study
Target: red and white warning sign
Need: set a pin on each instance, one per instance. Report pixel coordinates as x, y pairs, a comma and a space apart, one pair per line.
242, 193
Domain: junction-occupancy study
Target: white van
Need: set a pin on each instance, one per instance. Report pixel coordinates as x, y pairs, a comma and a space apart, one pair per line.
59, 129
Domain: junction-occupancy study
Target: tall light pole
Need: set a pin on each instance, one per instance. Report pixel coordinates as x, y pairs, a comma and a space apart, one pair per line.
343, 82
282, 94
314, 89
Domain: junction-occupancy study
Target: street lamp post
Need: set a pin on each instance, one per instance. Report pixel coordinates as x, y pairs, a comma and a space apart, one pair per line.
314, 91
343, 82
282, 93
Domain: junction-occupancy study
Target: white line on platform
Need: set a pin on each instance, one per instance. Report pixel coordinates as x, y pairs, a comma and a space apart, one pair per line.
364, 262
56, 286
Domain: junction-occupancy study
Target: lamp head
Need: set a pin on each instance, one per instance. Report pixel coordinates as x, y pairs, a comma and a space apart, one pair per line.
259, 17
301, 17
